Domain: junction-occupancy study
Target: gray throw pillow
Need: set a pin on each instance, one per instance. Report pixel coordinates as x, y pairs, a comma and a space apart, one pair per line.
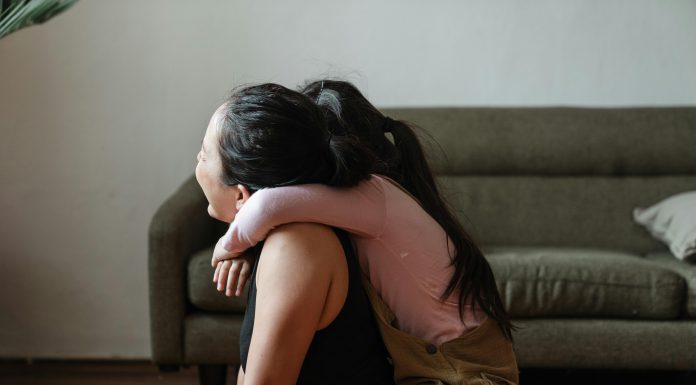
672, 221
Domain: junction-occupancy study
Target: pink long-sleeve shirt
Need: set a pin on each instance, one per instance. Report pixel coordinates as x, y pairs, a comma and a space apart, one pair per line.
400, 247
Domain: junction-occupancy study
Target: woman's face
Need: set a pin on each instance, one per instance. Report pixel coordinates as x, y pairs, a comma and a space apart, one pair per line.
223, 201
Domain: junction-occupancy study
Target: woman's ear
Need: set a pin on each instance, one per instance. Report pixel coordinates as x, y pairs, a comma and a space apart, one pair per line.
242, 195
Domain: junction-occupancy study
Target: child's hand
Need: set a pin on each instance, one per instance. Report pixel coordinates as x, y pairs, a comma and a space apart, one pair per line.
233, 272
220, 254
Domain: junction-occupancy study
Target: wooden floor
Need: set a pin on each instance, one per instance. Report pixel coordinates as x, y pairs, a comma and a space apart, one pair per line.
96, 373
15, 372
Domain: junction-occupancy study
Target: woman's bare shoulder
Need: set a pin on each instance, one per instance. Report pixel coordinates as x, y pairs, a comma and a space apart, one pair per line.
305, 258
300, 237
309, 249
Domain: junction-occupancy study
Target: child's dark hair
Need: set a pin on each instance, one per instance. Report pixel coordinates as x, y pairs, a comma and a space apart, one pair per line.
272, 136
405, 162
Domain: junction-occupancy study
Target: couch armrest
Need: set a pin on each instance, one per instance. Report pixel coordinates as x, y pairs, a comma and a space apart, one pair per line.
180, 227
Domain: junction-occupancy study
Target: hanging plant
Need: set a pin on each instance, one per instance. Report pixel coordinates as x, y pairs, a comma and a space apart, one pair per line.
16, 14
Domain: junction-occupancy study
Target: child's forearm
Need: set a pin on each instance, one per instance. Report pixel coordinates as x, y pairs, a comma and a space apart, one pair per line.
358, 210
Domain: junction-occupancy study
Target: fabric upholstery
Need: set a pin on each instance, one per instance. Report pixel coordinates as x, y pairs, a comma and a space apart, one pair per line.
587, 211
606, 343
551, 282
202, 292
557, 140
686, 270
211, 338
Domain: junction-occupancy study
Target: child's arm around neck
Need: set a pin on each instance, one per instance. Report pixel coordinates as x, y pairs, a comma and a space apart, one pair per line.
359, 210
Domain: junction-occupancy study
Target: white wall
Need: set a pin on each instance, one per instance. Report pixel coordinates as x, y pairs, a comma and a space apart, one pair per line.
103, 108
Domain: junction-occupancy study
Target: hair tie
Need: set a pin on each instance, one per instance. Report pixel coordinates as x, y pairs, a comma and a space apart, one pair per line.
387, 125
316, 101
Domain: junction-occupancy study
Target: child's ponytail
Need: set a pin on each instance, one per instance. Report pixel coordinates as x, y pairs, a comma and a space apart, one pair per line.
351, 161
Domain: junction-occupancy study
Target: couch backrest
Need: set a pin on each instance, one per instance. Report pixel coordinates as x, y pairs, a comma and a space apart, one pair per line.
559, 176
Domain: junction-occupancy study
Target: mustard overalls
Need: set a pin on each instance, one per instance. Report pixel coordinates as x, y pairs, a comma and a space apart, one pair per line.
481, 356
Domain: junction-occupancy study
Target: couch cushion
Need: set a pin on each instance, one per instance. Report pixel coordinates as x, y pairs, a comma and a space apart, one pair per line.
578, 282
687, 270
202, 291
560, 211
557, 140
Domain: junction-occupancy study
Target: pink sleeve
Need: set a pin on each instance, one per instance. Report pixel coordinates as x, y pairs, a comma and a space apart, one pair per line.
359, 210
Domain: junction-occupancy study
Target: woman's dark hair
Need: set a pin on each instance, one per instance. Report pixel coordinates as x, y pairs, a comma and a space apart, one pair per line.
272, 136
405, 162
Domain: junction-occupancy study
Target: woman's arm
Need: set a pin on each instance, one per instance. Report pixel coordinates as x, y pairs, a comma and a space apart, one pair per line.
297, 294
358, 210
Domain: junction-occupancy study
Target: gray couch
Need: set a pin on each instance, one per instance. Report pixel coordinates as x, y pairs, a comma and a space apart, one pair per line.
548, 193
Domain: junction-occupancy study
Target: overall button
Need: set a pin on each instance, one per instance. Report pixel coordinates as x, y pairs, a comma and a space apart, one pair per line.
431, 349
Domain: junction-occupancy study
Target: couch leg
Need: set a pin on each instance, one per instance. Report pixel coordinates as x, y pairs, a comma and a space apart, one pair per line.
168, 368
212, 374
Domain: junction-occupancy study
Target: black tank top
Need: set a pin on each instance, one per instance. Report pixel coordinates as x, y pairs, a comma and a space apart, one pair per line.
348, 351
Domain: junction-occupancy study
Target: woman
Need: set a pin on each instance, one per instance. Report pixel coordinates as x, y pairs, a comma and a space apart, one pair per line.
429, 277
308, 320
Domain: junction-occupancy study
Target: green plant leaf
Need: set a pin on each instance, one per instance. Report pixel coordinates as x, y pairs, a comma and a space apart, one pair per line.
17, 14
